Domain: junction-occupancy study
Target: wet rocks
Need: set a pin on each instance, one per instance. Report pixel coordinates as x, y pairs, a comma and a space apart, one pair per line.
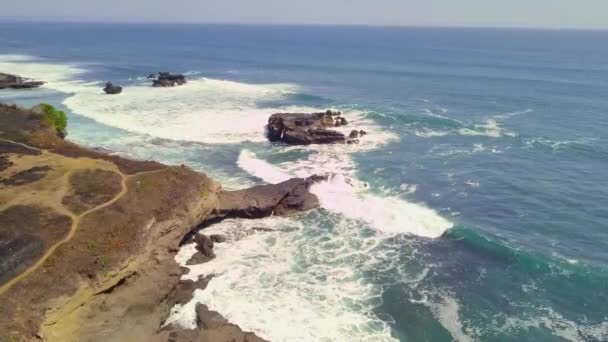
340, 121
112, 89
284, 199
204, 244
306, 128
8, 81
166, 79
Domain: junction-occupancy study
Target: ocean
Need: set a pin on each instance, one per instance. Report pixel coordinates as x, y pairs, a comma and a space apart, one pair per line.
476, 209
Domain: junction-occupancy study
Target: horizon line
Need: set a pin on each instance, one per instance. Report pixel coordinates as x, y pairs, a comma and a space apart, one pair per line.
229, 23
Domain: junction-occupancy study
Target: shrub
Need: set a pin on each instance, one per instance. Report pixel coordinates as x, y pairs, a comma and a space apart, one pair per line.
56, 118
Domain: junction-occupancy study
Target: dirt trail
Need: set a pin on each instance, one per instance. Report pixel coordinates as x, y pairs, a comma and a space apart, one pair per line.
51, 196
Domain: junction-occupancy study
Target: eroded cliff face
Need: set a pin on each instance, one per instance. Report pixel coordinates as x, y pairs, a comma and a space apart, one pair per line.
87, 240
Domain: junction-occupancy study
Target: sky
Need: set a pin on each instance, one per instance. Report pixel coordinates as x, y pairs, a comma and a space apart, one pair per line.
591, 14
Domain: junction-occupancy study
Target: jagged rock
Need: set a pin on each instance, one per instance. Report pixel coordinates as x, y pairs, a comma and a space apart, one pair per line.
352, 141
305, 129
286, 198
354, 134
340, 121
204, 245
112, 89
8, 81
362, 133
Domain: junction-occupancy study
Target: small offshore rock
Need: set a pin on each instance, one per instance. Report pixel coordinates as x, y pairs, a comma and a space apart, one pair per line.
354, 134
112, 89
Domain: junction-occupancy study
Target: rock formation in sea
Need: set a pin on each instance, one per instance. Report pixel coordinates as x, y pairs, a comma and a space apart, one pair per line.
112, 89
166, 79
307, 128
88, 239
8, 81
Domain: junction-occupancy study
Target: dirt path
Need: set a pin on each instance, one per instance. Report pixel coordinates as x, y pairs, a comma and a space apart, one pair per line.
57, 205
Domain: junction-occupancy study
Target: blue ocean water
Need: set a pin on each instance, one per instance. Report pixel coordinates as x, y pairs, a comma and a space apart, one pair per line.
475, 210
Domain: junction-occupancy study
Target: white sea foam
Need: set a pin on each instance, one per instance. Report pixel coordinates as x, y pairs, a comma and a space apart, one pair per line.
294, 283
268, 173
490, 128
428, 133
60, 77
446, 310
558, 145
203, 110
386, 214
345, 195
558, 325
408, 188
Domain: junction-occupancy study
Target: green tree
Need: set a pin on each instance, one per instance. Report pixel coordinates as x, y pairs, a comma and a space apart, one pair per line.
56, 118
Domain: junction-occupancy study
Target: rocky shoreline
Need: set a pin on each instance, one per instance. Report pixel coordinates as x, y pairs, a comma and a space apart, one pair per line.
8, 81
89, 239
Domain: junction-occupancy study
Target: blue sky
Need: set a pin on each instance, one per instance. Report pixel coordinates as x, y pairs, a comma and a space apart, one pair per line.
495, 13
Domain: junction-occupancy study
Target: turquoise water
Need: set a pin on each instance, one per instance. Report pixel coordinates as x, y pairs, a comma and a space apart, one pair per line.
475, 210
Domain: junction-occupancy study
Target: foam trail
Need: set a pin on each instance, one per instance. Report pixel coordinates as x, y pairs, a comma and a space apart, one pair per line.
261, 169
447, 313
386, 214
347, 196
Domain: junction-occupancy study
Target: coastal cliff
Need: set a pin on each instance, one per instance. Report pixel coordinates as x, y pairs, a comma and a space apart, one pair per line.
89, 239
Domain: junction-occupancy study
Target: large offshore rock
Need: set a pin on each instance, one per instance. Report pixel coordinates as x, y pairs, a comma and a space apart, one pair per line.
112, 89
306, 128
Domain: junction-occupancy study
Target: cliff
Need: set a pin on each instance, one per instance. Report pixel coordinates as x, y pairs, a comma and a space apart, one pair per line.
87, 240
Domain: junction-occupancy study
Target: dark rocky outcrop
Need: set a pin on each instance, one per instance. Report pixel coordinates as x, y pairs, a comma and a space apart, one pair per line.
8, 81
306, 128
112, 89
284, 199
204, 244
166, 79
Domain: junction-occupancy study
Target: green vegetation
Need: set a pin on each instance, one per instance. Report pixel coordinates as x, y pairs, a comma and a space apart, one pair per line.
56, 118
